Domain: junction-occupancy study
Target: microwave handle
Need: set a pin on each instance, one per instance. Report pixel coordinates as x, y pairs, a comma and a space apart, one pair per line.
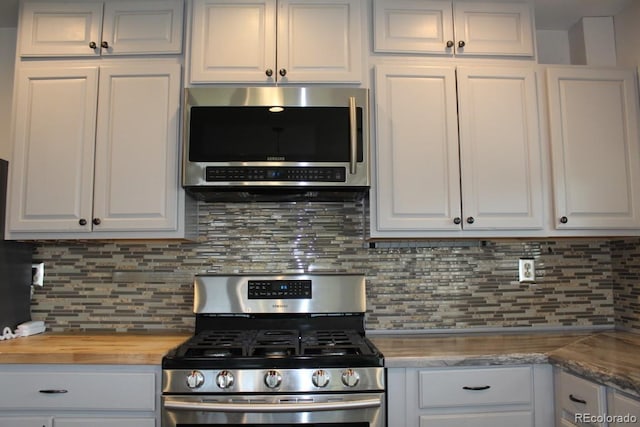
353, 136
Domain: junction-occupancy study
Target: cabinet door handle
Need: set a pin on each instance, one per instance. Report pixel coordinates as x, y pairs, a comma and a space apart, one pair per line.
564, 220
82, 222
471, 220
269, 72
104, 45
577, 400
53, 391
93, 45
477, 388
283, 72
450, 44
457, 220
96, 221
461, 44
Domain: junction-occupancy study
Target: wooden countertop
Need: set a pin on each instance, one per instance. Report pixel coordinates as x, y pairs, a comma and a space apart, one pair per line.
611, 357
90, 348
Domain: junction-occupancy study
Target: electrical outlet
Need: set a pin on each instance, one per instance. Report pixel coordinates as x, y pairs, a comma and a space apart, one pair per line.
527, 270
37, 274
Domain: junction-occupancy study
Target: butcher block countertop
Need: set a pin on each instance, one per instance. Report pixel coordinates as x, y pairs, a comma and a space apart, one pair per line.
90, 348
611, 357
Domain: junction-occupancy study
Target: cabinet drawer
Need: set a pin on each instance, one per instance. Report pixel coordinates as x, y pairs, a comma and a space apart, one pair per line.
469, 387
70, 389
575, 395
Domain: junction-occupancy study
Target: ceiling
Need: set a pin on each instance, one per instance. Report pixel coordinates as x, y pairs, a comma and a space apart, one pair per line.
550, 14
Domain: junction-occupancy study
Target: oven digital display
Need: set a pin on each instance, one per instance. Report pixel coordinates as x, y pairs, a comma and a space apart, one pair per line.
279, 289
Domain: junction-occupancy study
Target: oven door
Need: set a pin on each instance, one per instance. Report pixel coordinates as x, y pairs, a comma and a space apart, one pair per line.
344, 410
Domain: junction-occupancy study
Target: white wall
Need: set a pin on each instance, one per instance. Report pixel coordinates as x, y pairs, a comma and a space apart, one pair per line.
628, 35
7, 61
553, 47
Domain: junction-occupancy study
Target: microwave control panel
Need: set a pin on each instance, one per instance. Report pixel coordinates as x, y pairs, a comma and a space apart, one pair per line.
285, 173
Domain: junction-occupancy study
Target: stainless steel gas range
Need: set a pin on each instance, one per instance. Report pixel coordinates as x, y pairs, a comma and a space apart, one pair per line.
287, 350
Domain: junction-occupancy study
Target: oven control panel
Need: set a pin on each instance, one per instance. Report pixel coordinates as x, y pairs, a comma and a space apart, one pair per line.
279, 289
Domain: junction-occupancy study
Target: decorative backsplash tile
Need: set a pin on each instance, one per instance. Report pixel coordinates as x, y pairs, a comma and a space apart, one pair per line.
135, 286
626, 289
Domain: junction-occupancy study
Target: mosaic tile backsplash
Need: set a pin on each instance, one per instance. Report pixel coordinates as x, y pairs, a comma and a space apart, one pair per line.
145, 286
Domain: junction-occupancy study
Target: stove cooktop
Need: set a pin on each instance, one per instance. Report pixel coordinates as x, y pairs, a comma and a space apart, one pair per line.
276, 348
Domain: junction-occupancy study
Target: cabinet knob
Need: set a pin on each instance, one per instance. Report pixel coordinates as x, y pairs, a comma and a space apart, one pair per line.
450, 44
461, 44
282, 72
93, 45
269, 72
105, 45
564, 220
96, 221
82, 222
457, 220
471, 220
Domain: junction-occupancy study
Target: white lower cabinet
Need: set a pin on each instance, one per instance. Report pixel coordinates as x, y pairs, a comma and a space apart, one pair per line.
576, 398
470, 396
75, 396
623, 410
581, 402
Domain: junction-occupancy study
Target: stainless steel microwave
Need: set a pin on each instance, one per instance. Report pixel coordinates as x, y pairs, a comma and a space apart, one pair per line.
276, 142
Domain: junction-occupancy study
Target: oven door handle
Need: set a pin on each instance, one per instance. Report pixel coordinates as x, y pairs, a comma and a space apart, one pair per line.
271, 407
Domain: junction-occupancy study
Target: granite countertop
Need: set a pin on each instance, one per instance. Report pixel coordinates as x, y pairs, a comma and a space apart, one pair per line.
90, 348
610, 357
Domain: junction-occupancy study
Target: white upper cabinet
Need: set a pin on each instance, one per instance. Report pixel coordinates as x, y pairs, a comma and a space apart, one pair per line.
96, 151
458, 28
114, 27
269, 41
54, 134
595, 148
430, 178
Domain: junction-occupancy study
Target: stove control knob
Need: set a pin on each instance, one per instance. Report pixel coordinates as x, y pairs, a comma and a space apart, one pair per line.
273, 379
320, 378
224, 379
350, 378
195, 379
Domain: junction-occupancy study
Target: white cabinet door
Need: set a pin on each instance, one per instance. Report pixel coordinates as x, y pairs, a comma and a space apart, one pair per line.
136, 168
413, 26
92, 28
595, 148
418, 181
576, 397
237, 41
625, 410
443, 27
493, 28
432, 178
60, 28
500, 148
233, 41
319, 41
142, 27
52, 166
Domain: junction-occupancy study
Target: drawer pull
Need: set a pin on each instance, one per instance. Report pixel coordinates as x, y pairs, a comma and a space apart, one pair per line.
54, 391
575, 399
480, 388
